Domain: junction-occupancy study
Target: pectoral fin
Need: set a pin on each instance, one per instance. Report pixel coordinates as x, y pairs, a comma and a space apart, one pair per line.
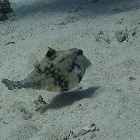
33, 62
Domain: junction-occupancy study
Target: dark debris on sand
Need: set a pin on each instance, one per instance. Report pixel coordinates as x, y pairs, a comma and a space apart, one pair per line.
4, 9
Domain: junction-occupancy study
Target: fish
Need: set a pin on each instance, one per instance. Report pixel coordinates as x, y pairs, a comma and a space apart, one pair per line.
58, 71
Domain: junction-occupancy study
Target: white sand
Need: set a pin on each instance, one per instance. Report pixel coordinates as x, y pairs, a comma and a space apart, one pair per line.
114, 106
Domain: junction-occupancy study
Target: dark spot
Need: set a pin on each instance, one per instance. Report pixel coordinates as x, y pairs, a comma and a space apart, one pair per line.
48, 69
66, 83
71, 66
63, 59
60, 80
55, 82
39, 70
38, 83
69, 70
78, 66
47, 74
64, 89
55, 72
80, 52
79, 77
40, 100
51, 66
51, 54
37, 65
131, 78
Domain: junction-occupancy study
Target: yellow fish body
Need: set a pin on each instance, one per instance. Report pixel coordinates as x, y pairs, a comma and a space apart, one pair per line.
57, 71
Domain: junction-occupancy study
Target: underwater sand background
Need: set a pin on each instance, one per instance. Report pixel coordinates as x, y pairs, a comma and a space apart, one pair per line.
108, 105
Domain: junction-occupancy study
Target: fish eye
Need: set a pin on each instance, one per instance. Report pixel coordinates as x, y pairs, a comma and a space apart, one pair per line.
80, 52
50, 52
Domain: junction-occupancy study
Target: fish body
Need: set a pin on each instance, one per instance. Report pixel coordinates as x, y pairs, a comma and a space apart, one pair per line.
57, 71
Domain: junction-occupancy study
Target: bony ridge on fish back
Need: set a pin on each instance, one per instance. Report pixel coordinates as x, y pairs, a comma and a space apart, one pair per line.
57, 71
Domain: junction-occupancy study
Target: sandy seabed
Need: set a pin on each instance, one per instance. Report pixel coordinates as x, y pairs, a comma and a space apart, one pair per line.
107, 107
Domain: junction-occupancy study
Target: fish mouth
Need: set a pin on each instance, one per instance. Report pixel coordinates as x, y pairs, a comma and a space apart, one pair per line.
89, 63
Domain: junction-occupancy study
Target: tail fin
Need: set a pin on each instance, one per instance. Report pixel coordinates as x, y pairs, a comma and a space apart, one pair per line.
26, 83
12, 84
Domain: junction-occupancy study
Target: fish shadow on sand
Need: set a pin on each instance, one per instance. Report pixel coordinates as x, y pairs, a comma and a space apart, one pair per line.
68, 98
